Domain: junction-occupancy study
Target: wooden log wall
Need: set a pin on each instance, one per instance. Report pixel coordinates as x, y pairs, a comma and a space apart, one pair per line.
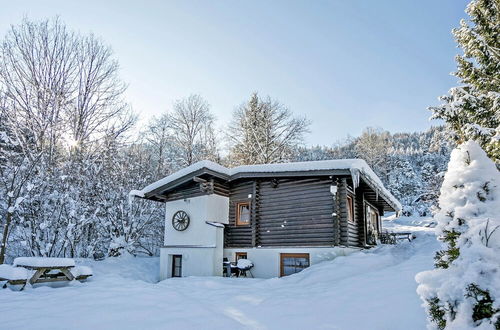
343, 225
239, 236
291, 211
296, 212
286, 212
337, 214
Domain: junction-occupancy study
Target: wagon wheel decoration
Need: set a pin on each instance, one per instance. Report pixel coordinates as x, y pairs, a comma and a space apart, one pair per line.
180, 220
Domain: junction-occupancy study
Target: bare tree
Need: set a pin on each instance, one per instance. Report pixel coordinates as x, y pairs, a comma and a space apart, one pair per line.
373, 146
97, 106
159, 142
264, 131
192, 130
37, 66
59, 91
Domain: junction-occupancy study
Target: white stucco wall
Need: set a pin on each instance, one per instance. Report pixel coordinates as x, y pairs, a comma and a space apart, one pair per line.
201, 244
200, 209
196, 261
267, 260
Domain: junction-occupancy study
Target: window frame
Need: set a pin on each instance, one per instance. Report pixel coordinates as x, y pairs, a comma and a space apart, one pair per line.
350, 208
237, 214
238, 255
293, 255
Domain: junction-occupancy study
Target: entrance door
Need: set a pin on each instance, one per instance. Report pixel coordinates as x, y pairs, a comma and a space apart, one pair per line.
372, 224
177, 265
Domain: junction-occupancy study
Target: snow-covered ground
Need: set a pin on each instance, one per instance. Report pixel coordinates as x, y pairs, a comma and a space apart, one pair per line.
373, 289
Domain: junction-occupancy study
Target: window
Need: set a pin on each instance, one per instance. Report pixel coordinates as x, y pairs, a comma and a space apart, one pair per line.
291, 263
177, 265
350, 209
240, 255
243, 214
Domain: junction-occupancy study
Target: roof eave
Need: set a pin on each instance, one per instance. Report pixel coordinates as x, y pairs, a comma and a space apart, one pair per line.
184, 179
387, 199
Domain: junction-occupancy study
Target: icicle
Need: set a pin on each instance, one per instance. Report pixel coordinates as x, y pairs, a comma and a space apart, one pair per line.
354, 177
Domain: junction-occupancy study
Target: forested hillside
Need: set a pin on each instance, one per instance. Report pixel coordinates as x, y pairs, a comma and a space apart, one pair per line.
411, 165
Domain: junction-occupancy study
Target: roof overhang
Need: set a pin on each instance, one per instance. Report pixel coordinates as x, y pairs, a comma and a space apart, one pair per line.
185, 179
208, 170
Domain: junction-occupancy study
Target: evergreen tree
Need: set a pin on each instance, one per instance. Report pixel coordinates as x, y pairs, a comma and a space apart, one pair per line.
472, 111
464, 289
264, 131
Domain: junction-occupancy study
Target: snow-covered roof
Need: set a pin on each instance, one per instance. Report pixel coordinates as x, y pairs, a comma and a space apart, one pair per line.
356, 167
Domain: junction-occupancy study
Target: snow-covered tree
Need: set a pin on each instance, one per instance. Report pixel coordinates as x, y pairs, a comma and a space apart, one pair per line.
159, 144
411, 165
403, 182
18, 168
181, 137
127, 225
264, 131
472, 111
373, 146
464, 290
63, 125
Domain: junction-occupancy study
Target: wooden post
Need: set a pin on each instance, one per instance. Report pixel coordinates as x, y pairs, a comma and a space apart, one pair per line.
254, 214
37, 275
67, 273
336, 218
343, 225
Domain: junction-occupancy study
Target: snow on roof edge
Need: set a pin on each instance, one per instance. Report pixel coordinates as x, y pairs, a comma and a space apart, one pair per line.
179, 174
355, 166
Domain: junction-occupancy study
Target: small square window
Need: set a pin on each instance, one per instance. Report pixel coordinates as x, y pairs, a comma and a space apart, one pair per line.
291, 263
350, 209
240, 255
243, 213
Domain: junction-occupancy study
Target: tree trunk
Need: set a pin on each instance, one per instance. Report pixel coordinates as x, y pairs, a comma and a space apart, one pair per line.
5, 236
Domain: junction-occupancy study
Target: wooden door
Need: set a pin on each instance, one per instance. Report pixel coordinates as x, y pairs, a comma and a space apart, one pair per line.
177, 265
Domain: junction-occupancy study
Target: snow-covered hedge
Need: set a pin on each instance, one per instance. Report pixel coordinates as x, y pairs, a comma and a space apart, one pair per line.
464, 289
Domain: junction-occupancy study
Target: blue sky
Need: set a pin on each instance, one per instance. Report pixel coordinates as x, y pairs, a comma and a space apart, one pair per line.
343, 64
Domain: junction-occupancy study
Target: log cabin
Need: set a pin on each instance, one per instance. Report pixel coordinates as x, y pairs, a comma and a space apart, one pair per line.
283, 217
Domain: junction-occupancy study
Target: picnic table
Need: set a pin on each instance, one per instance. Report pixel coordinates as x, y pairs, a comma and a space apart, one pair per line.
40, 270
393, 237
